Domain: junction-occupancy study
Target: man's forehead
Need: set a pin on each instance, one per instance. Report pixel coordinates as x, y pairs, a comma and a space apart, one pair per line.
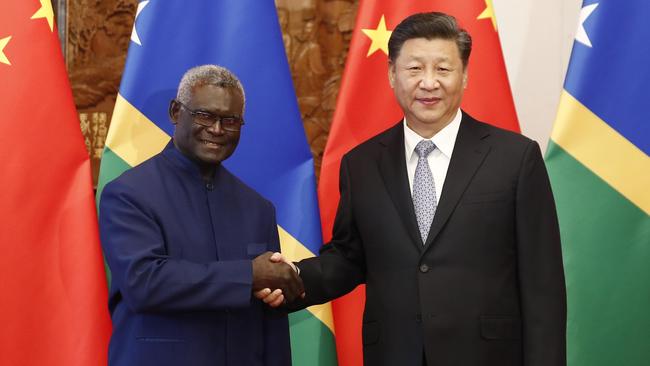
424, 56
424, 47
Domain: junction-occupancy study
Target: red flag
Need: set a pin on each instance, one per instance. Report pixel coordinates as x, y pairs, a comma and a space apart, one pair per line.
366, 106
54, 297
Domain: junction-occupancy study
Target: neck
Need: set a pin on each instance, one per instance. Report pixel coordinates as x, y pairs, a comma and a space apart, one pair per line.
207, 172
427, 131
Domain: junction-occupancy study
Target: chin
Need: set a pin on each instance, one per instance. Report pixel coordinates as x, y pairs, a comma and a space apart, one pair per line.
428, 119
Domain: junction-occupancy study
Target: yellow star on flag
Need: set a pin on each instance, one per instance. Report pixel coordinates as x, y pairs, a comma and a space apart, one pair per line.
3, 44
46, 12
489, 13
379, 37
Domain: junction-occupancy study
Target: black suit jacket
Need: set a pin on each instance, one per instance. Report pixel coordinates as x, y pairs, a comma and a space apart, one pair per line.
487, 287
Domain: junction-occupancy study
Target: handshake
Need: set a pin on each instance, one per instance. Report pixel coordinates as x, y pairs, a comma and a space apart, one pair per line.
276, 280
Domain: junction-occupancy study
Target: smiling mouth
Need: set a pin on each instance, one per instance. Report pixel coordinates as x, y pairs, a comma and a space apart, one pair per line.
211, 144
428, 101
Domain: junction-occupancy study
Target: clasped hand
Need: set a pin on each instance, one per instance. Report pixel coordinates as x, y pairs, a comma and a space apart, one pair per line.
275, 280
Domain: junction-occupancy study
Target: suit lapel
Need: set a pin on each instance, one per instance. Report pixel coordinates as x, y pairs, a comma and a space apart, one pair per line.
392, 166
469, 152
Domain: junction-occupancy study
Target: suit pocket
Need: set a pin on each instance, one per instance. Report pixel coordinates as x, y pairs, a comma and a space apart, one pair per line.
255, 249
153, 328
370, 333
502, 196
500, 327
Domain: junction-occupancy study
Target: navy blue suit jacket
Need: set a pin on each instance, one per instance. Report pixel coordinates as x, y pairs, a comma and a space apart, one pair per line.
180, 254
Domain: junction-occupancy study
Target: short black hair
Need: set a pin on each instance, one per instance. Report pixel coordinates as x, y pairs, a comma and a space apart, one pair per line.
433, 25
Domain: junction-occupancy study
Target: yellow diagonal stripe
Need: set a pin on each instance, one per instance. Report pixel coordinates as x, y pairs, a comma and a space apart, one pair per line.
295, 251
132, 136
603, 150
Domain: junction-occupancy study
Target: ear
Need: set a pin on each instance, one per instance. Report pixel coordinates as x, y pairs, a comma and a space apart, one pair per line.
465, 73
391, 74
174, 110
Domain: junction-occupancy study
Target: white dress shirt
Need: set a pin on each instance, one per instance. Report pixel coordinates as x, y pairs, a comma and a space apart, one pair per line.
439, 158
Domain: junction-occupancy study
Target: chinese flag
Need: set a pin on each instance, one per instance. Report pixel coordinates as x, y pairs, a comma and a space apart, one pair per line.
54, 297
366, 106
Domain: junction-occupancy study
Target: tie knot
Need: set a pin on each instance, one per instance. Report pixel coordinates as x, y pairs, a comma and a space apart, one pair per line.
424, 148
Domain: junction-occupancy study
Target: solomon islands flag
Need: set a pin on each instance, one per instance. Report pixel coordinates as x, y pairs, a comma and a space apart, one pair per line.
600, 172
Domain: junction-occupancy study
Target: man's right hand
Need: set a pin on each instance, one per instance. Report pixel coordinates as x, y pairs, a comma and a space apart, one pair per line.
270, 274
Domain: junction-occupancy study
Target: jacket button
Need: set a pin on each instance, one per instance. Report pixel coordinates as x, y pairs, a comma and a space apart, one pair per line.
424, 268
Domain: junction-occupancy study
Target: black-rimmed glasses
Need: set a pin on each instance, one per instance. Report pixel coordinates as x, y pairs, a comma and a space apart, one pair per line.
207, 119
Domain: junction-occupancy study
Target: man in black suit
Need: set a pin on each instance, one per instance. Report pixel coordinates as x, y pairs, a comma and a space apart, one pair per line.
449, 222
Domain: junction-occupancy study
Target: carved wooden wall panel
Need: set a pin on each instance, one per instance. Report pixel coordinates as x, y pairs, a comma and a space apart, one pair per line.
316, 34
97, 39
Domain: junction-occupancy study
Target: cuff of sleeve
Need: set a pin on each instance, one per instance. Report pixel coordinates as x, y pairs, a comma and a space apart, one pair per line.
238, 288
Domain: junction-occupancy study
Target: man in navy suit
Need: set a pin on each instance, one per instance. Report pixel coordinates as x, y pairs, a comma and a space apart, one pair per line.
450, 223
188, 243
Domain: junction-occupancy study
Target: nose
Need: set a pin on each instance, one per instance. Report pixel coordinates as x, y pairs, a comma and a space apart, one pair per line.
429, 80
216, 128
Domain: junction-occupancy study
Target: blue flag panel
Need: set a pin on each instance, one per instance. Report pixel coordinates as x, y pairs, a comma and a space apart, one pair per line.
612, 77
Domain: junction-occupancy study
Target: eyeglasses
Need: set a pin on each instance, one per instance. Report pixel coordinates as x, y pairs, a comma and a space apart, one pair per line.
206, 119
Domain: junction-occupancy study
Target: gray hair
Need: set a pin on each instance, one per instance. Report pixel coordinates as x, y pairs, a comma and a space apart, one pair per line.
207, 75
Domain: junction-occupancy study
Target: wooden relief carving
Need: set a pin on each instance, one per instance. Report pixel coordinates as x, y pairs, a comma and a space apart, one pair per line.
98, 36
316, 35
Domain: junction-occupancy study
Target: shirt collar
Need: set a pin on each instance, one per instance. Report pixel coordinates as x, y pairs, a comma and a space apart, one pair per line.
445, 139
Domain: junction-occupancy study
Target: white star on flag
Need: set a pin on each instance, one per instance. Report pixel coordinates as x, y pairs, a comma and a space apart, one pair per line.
134, 35
581, 34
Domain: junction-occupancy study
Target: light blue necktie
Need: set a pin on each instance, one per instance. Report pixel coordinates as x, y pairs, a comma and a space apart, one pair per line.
424, 189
